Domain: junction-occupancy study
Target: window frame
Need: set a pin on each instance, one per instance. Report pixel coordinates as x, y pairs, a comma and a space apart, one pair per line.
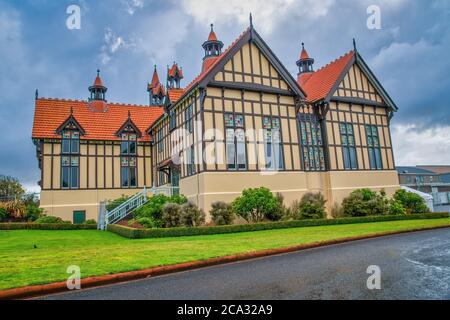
128, 159
348, 146
312, 146
277, 158
373, 149
238, 143
70, 159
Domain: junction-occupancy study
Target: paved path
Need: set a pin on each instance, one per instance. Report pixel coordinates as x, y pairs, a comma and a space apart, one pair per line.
413, 266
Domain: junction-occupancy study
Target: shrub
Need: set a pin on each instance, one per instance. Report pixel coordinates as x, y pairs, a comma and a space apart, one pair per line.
222, 213
365, 202
413, 203
153, 209
396, 208
49, 219
178, 232
3, 213
192, 216
16, 209
33, 212
255, 205
112, 204
171, 215
90, 221
336, 211
311, 206
280, 212
146, 222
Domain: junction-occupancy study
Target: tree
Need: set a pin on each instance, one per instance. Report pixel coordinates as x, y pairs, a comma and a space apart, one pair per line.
10, 188
254, 205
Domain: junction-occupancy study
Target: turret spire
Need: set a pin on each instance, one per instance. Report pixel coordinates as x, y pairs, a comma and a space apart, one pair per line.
98, 90
156, 90
305, 63
213, 48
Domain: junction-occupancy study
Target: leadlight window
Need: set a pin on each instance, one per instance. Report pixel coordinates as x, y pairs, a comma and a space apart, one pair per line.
312, 144
272, 143
160, 140
128, 158
348, 146
172, 120
235, 142
191, 161
70, 142
70, 160
373, 143
189, 125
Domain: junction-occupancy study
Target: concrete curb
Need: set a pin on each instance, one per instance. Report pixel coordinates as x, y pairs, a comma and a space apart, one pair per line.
59, 287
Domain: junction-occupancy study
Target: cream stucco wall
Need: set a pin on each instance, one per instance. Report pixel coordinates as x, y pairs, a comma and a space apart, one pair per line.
208, 187
62, 203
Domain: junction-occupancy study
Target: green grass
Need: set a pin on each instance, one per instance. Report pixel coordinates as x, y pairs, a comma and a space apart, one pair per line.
100, 252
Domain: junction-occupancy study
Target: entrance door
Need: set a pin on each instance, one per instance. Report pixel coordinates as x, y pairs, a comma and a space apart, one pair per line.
79, 217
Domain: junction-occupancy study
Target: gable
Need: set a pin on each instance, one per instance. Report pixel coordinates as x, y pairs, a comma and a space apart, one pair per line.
251, 65
356, 84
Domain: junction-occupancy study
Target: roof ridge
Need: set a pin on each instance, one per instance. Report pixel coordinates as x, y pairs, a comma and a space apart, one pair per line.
86, 101
334, 61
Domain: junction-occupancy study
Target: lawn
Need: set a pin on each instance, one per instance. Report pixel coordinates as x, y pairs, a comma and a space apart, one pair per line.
102, 252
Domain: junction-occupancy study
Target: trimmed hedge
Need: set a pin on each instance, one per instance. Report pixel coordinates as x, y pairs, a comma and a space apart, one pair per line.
46, 226
133, 233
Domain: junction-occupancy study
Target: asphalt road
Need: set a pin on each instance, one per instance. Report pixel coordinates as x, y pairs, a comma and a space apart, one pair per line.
413, 266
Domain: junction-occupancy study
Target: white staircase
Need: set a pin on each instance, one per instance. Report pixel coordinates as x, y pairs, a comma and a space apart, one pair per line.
139, 199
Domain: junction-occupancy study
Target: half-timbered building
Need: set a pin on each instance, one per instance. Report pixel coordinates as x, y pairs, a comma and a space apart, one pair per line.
243, 122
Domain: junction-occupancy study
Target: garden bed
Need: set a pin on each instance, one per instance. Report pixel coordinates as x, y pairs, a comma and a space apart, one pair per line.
133, 233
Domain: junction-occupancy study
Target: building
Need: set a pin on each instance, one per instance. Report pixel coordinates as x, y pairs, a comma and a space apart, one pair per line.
433, 180
243, 122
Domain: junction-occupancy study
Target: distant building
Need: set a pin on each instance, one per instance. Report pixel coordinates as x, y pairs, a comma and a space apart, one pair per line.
434, 180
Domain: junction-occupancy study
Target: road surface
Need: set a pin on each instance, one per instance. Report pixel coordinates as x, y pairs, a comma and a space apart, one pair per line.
413, 266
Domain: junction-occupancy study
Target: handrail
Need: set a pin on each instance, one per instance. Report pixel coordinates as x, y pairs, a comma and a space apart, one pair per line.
133, 203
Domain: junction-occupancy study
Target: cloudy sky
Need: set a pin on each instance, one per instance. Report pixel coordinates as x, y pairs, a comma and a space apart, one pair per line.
125, 38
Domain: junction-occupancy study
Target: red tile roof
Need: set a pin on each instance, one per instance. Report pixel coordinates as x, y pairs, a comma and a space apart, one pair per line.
175, 94
51, 113
304, 54
174, 70
319, 84
212, 36
214, 62
155, 78
98, 82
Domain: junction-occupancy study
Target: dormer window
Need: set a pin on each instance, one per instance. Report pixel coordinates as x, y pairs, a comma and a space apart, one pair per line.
70, 159
128, 151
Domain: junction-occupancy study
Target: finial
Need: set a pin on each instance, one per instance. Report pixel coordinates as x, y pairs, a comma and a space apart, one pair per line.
354, 44
251, 20
98, 72
155, 67
129, 114
71, 110
303, 45
36, 94
212, 27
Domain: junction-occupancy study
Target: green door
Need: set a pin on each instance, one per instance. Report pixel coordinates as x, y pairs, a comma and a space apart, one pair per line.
79, 217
